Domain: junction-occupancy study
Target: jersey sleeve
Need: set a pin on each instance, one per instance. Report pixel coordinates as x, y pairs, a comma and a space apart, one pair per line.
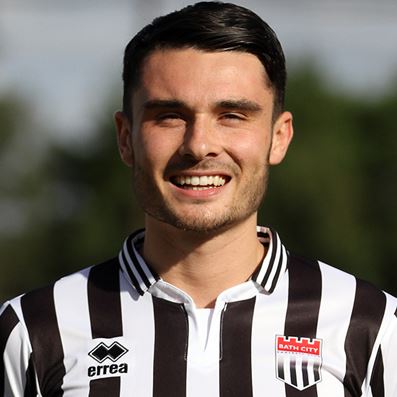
389, 354
17, 376
384, 379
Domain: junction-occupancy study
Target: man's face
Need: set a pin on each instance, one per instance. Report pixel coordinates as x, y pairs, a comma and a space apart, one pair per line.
202, 137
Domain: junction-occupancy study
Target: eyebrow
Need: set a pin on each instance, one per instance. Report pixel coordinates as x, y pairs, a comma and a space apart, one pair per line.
240, 104
164, 103
232, 104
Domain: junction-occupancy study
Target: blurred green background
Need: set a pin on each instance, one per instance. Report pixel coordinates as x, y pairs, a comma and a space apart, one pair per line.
65, 205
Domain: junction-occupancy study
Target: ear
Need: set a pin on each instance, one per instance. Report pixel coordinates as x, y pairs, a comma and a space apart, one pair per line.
124, 138
282, 135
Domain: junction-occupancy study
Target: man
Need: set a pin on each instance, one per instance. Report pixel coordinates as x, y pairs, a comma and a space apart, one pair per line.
202, 302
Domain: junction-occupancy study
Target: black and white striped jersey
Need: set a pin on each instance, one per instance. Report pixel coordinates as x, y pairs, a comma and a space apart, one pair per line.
296, 328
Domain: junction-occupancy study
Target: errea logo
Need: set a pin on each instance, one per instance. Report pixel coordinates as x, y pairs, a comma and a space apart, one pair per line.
101, 353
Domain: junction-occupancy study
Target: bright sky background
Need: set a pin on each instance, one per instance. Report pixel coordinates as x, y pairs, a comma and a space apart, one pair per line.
65, 56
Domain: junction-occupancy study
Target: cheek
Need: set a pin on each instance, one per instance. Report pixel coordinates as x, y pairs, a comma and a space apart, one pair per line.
152, 150
250, 150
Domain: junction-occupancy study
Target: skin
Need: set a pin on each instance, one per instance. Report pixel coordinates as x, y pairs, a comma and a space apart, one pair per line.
212, 117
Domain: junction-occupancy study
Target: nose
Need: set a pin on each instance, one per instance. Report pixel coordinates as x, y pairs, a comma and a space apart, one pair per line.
201, 140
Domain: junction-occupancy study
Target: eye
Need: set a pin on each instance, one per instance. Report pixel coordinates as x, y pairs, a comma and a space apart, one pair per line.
169, 119
232, 117
162, 116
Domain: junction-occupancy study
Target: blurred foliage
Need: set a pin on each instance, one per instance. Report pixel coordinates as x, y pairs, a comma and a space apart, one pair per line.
333, 198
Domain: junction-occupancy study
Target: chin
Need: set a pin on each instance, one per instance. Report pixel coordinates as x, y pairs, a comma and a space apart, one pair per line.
202, 222
201, 227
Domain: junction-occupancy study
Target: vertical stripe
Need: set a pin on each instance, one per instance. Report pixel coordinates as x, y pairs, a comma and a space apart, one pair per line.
41, 321
304, 299
107, 387
337, 298
293, 371
30, 386
280, 367
316, 368
71, 304
105, 316
366, 318
268, 321
235, 375
305, 374
377, 385
170, 349
104, 300
138, 334
8, 321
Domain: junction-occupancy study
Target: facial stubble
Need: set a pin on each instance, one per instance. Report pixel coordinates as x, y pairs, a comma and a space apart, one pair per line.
202, 218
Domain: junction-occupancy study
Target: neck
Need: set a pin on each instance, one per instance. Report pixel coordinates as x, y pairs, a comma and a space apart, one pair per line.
203, 265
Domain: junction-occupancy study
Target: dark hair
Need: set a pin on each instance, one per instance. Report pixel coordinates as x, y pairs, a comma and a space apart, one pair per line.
208, 26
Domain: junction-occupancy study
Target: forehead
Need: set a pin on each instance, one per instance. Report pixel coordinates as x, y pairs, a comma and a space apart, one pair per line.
190, 74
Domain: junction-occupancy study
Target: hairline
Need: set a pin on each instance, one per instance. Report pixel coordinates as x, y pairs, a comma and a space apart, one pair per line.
135, 83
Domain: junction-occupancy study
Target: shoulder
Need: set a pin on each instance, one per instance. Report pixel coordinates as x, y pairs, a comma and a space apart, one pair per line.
39, 306
342, 294
337, 280
370, 302
34, 326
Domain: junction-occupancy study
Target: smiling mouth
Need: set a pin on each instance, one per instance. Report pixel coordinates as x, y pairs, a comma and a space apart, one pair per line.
202, 182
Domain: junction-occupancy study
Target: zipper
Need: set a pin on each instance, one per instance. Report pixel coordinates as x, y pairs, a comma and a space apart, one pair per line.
221, 332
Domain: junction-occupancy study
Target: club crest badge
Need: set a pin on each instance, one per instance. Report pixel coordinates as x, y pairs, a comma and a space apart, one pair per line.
298, 361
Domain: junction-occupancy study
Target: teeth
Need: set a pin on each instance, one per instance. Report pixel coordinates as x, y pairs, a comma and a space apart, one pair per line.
201, 187
204, 180
195, 180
